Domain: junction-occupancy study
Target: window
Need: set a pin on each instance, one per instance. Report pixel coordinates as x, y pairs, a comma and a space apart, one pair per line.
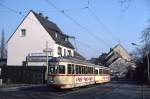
56, 35
69, 68
23, 32
61, 69
59, 51
91, 70
64, 52
53, 69
81, 69
105, 71
72, 69
86, 72
77, 69
0, 73
56, 69
66, 39
69, 53
96, 71
100, 71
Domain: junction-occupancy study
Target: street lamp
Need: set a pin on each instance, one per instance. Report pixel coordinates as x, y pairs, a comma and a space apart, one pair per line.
147, 56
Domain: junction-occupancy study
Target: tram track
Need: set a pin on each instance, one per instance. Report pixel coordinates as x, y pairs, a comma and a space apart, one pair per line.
118, 89
101, 88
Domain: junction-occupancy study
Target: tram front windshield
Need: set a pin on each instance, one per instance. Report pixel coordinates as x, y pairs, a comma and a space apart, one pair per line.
56, 69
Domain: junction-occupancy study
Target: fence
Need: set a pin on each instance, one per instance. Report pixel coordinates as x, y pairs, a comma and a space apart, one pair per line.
23, 74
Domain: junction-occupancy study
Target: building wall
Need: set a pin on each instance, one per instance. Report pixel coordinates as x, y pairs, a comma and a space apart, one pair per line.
34, 41
122, 52
23, 74
119, 68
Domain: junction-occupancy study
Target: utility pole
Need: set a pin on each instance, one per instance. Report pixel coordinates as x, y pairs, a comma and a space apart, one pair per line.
148, 66
147, 56
47, 51
2, 44
46, 74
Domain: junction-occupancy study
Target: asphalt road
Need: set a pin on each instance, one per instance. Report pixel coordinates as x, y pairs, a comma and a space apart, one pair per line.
116, 89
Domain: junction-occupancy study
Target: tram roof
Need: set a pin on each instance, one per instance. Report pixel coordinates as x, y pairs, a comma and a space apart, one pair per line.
75, 60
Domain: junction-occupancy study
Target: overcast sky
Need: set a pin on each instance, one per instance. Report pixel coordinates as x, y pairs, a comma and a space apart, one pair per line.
103, 25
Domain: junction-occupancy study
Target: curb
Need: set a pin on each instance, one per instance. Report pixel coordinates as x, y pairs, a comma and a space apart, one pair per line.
17, 87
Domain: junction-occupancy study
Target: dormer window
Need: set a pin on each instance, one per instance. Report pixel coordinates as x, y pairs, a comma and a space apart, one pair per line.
66, 39
56, 35
69, 53
59, 51
23, 32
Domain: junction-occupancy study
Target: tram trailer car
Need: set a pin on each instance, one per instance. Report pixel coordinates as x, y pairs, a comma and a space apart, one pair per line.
102, 74
67, 73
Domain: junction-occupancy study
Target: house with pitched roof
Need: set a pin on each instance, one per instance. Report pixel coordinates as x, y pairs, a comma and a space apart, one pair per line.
119, 61
35, 34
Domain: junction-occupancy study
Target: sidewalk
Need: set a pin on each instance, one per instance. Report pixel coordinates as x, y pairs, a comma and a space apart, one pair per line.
12, 87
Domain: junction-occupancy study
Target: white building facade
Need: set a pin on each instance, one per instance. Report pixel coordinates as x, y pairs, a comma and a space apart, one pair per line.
34, 35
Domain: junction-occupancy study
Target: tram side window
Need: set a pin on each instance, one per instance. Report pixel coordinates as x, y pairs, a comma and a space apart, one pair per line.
88, 70
69, 68
108, 71
77, 69
84, 70
53, 69
72, 69
100, 71
81, 69
96, 71
61, 69
105, 72
92, 70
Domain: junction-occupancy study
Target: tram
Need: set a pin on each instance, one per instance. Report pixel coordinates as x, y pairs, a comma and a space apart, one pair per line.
67, 72
102, 74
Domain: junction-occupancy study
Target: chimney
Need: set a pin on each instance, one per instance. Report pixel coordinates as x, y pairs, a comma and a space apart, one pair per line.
40, 14
46, 17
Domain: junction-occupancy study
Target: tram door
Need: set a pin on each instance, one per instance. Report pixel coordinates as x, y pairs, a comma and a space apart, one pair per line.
0, 76
71, 72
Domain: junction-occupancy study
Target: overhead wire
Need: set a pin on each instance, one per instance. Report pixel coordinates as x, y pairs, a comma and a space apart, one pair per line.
88, 47
100, 22
17, 12
77, 23
125, 4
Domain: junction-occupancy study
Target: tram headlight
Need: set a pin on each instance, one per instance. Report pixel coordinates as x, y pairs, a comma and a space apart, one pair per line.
51, 79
